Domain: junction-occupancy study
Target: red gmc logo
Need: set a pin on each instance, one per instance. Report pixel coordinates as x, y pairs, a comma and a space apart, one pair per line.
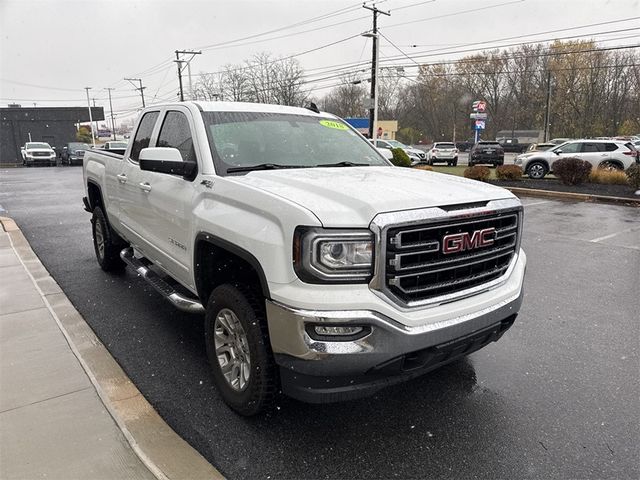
459, 242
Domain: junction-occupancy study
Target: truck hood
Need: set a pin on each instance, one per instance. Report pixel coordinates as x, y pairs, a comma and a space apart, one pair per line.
352, 196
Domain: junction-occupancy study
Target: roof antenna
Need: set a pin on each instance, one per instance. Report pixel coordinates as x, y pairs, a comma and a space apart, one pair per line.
313, 107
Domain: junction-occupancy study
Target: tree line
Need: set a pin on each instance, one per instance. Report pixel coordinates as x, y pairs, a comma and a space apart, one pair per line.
589, 91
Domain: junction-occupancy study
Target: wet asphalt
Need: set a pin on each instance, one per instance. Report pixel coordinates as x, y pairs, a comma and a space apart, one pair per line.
557, 397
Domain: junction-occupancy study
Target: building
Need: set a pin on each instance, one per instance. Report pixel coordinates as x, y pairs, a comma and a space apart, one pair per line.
388, 127
54, 125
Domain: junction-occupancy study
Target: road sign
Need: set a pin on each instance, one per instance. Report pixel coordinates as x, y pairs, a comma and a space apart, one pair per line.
479, 106
478, 116
479, 125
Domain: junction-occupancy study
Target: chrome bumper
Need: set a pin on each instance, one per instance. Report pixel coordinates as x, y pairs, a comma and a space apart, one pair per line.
296, 350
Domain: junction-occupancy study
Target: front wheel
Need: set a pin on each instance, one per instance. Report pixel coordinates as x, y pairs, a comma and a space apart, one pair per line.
537, 170
105, 243
239, 350
455, 162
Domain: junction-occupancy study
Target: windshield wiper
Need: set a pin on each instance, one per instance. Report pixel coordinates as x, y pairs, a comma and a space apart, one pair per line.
262, 166
344, 164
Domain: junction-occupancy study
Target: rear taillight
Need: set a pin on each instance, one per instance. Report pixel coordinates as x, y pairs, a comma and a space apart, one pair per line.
633, 153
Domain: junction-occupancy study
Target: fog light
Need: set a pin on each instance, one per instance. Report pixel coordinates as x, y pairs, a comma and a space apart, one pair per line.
336, 331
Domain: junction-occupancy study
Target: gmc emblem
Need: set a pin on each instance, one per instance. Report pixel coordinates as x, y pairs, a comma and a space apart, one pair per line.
459, 242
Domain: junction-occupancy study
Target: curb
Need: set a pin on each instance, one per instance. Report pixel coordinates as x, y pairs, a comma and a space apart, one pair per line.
161, 450
583, 197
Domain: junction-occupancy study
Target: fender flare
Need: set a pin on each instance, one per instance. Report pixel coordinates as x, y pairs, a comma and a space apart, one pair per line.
233, 249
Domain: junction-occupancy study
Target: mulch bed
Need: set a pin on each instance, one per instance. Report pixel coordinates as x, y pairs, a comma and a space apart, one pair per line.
624, 191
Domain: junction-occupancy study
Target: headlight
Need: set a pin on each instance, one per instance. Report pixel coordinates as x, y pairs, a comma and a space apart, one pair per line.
332, 256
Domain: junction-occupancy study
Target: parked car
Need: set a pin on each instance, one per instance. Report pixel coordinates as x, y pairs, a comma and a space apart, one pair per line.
512, 144
443, 152
34, 153
322, 271
115, 146
486, 151
599, 153
465, 145
558, 141
540, 147
416, 156
73, 152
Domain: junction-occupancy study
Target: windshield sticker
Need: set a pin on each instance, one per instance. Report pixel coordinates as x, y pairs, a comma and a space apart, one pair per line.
332, 124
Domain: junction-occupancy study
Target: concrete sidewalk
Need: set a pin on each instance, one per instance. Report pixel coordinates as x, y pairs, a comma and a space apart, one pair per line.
67, 410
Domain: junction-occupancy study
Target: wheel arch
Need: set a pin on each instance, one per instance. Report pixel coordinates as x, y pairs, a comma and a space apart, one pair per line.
612, 161
216, 261
94, 195
535, 160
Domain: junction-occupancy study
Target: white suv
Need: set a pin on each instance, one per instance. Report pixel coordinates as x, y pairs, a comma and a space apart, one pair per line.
443, 152
599, 153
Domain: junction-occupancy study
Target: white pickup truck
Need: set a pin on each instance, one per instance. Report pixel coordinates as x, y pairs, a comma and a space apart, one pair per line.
323, 272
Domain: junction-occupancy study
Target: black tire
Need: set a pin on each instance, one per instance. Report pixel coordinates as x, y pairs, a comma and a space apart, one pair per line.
106, 243
537, 170
609, 165
259, 391
471, 164
455, 162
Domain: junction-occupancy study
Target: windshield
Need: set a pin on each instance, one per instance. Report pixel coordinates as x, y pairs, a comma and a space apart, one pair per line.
396, 144
38, 145
241, 140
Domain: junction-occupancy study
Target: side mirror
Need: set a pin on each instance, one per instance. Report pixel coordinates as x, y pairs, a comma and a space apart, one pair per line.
166, 160
21, 148
557, 152
65, 148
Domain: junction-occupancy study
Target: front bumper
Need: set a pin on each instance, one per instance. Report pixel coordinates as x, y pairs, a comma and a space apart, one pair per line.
325, 371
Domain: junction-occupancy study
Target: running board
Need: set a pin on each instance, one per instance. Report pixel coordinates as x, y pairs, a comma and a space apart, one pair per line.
180, 301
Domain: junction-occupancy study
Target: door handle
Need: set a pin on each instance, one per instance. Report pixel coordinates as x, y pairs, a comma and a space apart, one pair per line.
145, 187
122, 178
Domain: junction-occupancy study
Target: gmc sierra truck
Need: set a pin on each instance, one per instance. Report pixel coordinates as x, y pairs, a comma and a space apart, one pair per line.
323, 272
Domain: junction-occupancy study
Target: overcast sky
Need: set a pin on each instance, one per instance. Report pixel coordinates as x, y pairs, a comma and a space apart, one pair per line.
51, 50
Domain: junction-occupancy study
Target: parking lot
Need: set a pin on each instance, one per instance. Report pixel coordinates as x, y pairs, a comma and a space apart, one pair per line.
556, 397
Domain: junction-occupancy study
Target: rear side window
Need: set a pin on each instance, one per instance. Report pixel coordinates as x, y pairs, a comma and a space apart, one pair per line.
175, 132
143, 135
611, 147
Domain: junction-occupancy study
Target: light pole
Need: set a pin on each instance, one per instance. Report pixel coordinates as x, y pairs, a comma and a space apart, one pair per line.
93, 140
373, 116
113, 123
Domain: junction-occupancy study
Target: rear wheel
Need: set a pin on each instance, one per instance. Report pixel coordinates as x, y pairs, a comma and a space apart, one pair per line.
105, 243
455, 162
608, 165
239, 350
537, 170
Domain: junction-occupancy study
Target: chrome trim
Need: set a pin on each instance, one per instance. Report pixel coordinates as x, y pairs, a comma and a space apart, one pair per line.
383, 222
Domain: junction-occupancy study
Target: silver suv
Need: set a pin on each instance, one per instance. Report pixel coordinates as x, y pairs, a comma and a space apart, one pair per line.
613, 154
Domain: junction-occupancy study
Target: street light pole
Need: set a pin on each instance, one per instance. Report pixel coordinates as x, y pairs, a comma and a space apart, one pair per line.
93, 140
113, 123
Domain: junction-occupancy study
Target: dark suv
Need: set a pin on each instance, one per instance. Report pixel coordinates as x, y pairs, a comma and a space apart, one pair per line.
73, 153
486, 152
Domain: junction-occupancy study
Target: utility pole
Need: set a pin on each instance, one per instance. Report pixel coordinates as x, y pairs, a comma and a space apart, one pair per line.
547, 112
94, 106
179, 62
93, 140
141, 88
373, 110
113, 123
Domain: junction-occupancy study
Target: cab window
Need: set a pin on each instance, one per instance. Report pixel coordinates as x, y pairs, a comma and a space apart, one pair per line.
175, 132
143, 135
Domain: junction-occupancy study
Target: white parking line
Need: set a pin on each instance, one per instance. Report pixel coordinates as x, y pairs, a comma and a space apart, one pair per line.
607, 237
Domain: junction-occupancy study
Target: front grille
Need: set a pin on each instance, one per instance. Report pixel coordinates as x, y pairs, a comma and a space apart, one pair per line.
417, 269
41, 154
